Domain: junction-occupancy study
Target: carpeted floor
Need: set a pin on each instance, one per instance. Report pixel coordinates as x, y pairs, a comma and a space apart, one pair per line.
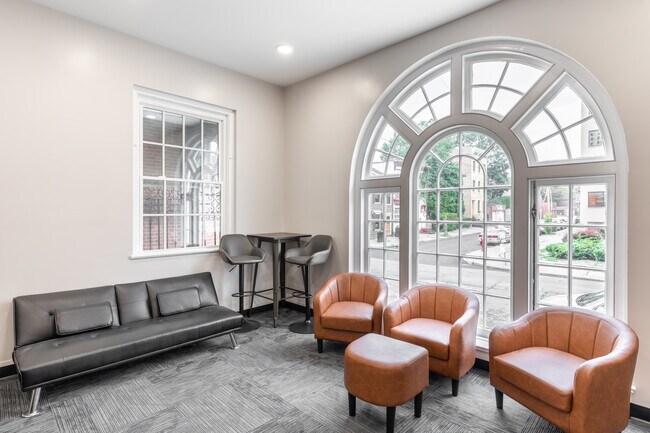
276, 382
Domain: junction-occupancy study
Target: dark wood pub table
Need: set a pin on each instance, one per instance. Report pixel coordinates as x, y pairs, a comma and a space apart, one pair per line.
279, 241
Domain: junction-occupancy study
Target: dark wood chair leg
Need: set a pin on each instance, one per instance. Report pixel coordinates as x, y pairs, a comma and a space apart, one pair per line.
320, 346
418, 405
454, 387
352, 404
390, 419
499, 396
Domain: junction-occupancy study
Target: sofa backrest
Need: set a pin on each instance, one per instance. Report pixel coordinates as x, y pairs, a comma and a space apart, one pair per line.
132, 302
203, 282
437, 302
34, 314
581, 333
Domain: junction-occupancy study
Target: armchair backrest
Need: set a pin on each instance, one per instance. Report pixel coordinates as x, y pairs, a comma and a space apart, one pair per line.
581, 333
355, 287
437, 302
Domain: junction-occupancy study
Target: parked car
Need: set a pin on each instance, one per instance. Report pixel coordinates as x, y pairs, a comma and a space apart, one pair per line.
591, 301
496, 235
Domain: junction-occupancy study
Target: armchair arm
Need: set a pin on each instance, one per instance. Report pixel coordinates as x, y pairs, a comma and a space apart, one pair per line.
510, 337
393, 316
378, 309
322, 301
462, 342
602, 390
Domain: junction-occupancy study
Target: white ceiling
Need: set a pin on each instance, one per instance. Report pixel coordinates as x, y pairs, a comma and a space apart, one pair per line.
242, 34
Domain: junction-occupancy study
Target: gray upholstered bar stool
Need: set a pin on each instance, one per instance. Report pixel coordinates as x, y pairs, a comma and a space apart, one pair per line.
237, 250
315, 252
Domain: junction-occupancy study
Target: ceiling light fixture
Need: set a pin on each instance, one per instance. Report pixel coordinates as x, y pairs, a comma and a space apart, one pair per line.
284, 49
150, 116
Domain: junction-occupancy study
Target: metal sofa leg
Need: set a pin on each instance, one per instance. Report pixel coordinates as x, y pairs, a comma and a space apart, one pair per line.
33, 404
233, 341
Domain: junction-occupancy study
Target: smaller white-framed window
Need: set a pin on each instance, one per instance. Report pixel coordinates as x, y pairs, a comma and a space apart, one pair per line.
495, 82
427, 100
183, 174
565, 126
386, 156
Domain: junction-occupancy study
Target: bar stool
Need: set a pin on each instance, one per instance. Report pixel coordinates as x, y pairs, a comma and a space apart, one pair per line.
237, 250
315, 252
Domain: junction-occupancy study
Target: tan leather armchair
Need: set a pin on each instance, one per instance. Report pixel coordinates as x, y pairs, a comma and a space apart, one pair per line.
349, 306
572, 367
441, 319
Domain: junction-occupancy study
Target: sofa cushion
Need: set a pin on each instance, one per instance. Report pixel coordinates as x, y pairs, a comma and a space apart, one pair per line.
348, 316
431, 334
542, 372
203, 282
82, 319
178, 301
46, 361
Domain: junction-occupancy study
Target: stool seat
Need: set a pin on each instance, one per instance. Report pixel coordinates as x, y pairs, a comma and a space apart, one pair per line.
385, 371
243, 260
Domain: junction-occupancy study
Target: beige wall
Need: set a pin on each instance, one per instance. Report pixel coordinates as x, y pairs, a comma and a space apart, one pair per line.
324, 116
66, 125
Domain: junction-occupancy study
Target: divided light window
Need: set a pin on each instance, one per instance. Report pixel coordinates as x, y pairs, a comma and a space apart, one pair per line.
180, 179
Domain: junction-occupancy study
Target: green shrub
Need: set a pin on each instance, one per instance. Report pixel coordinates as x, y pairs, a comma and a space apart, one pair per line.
588, 247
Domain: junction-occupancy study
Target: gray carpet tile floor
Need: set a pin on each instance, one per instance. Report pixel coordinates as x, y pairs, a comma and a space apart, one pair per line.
275, 382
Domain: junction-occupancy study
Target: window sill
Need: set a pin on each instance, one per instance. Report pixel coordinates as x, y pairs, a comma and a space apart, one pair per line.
172, 253
482, 348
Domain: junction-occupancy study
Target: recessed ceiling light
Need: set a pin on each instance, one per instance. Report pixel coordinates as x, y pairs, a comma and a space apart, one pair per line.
150, 116
284, 49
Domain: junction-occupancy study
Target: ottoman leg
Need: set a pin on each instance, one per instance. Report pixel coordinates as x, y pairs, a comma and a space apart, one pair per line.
390, 419
418, 405
352, 404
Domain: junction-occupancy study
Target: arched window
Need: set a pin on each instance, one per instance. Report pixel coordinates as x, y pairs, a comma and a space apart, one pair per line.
496, 165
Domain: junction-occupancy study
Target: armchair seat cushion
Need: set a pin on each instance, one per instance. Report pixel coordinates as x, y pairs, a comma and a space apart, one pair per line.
545, 373
348, 316
431, 334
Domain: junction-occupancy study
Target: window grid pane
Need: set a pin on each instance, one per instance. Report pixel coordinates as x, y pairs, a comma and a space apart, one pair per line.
382, 238
462, 220
181, 192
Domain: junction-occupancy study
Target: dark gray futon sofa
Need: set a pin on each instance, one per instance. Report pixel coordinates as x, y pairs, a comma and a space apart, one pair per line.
66, 334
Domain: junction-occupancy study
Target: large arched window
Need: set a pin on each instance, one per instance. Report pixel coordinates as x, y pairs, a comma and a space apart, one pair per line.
497, 165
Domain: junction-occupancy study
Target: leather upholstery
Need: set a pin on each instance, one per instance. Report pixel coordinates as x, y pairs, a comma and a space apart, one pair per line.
384, 371
349, 290
572, 367
431, 334
178, 301
81, 319
42, 357
203, 282
49, 361
34, 314
348, 316
133, 302
441, 319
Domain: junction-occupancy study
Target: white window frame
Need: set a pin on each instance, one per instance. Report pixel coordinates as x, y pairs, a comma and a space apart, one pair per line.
225, 117
612, 292
523, 171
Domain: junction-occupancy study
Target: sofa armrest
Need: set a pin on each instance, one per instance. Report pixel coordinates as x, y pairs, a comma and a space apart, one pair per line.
378, 309
462, 342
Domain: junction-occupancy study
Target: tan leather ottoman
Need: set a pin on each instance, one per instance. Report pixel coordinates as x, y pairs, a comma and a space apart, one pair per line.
385, 372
